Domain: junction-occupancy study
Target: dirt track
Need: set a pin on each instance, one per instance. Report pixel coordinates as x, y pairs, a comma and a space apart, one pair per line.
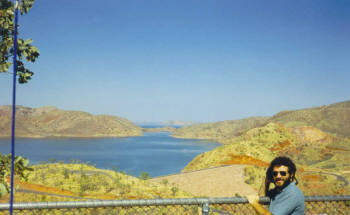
213, 182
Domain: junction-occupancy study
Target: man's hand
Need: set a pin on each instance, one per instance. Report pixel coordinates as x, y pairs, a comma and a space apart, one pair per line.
252, 198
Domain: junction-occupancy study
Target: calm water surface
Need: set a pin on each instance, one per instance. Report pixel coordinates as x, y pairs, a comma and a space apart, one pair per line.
156, 153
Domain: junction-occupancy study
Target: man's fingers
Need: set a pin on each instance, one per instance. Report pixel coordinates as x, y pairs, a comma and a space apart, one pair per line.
252, 198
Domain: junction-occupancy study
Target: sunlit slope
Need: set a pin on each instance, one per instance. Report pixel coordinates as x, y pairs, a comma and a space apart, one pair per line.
334, 119
258, 146
317, 139
53, 122
221, 131
59, 181
321, 158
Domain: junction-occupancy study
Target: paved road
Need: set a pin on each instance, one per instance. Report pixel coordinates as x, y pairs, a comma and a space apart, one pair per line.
51, 194
339, 177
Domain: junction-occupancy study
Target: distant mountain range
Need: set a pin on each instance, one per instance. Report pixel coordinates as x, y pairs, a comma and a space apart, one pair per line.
53, 122
175, 123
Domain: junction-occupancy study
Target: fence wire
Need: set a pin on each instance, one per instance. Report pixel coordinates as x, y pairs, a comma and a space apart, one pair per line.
315, 205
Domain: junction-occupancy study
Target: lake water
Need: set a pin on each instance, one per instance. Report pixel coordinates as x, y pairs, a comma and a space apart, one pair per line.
156, 153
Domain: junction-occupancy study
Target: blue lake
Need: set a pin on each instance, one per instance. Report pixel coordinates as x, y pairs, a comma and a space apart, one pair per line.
156, 153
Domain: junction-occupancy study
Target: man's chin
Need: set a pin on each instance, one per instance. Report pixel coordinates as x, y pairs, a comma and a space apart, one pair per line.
279, 183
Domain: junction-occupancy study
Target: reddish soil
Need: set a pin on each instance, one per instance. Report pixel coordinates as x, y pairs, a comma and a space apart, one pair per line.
245, 159
280, 146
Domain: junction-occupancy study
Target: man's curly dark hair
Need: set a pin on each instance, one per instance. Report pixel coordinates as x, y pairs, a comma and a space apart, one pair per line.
279, 161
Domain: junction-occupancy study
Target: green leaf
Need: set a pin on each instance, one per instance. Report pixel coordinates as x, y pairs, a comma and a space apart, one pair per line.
25, 162
18, 159
25, 49
28, 41
3, 190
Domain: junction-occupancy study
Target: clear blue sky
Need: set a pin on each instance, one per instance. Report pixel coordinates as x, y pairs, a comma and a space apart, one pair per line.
192, 60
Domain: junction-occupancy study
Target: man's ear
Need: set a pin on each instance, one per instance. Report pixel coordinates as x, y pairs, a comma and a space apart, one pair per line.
291, 177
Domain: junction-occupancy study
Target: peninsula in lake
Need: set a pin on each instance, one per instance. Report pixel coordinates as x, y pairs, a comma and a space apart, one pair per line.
53, 122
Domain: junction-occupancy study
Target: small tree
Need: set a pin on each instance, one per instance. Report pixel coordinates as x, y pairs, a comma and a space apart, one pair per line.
174, 190
84, 184
66, 173
165, 181
115, 169
144, 175
24, 48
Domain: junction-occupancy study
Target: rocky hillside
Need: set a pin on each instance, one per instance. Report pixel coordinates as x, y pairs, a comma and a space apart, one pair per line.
221, 131
258, 146
334, 119
53, 122
317, 139
313, 151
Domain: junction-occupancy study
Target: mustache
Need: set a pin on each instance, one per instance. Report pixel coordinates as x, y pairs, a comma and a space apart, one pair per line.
281, 179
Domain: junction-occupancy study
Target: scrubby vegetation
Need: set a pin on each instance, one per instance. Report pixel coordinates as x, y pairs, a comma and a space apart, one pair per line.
317, 139
333, 119
76, 181
322, 159
314, 151
219, 131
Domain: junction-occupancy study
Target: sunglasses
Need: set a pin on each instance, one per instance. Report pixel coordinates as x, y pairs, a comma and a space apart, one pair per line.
275, 173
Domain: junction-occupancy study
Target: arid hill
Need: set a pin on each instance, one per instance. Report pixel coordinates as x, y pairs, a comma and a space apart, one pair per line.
219, 131
258, 146
334, 119
53, 122
317, 139
321, 157
76, 182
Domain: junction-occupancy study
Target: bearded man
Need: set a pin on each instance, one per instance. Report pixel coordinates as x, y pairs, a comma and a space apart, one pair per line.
286, 198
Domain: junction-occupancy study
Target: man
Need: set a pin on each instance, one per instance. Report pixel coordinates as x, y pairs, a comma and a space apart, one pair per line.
286, 198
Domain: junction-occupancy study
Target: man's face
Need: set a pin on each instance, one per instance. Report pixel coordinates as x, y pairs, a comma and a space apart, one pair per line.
281, 175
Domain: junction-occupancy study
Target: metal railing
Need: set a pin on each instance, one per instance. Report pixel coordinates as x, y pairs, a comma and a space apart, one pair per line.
315, 205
